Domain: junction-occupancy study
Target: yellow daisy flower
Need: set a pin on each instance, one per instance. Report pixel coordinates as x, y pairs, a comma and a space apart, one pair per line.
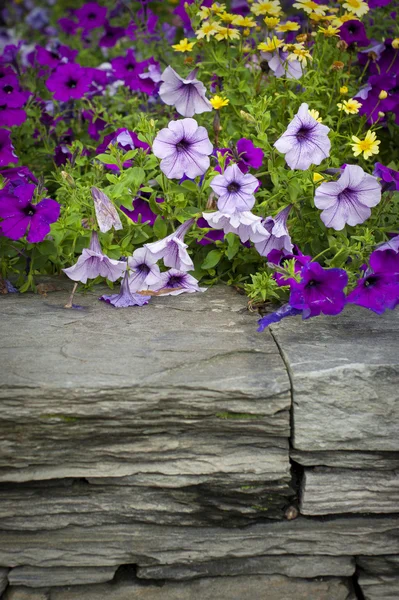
358, 7
206, 30
225, 33
315, 114
311, 7
270, 45
298, 52
343, 90
288, 26
218, 8
272, 8
329, 31
338, 21
218, 102
184, 46
227, 17
244, 21
271, 22
350, 107
204, 13
368, 146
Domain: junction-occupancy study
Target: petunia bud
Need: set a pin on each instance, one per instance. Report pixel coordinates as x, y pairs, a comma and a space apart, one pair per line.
382, 95
381, 114
395, 44
247, 117
68, 178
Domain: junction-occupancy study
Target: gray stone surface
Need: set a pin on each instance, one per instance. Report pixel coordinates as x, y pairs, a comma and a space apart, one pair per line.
330, 491
379, 565
231, 588
385, 461
39, 578
383, 587
306, 567
345, 375
3, 579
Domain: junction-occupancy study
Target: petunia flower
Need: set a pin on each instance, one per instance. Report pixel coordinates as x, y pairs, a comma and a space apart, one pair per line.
211, 236
305, 141
11, 94
186, 95
69, 81
378, 289
277, 236
178, 282
249, 155
106, 213
91, 15
183, 148
125, 298
7, 154
286, 310
93, 263
354, 32
20, 215
348, 200
319, 291
11, 117
235, 190
391, 244
280, 66
172, 249
243, 223
389, 177
141, 210
144, 270
111, 36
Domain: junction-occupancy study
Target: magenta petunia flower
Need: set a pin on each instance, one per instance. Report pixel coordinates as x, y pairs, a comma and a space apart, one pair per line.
144, 270
20, 215
178, 282
186, 95
111, 36
348, 200
277, 236
183, 148
235, 190
249, 155
243, 223
125, 298
68, 26
172, 249
16, 176
319, 291
7, 154
11, 117
91, 15
52, 55
93, 263
69, 81
11, 94
305, 141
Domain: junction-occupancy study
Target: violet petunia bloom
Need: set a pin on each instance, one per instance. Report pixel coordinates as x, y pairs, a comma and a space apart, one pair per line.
277, 236
235, 190
275, 317
280, 66
279, 257
20, 215
249, 155
186, 95
183, 148
91, 15
70, 81
93, 263
348, 200
212, 236
141, 210
144, 270
378, 289
354, 32
178, 282
106, 213
305, 141
389, 177
11, 94
392, 244
11, 117
111, 36
16, 176
172, 249
243, 223
125, 298
319, 291
7, 154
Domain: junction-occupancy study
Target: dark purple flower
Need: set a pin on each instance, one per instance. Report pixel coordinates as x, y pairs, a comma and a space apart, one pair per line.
319, 291
144, 270
235, 190
186, 95
305, 141
7, 154
249, 155
11, 117
388, 61
126, 140
11, 94
16, 176
183, 148
52, 56
93, 263
129, 69
378, 3
91, 16
19, 214
178, 282
354, 32
378, 290
390, 177
69, 81
141, 211
111, 36
277, 236
372, 105
212, 236
145, 22
125, 298
275, 317
68, 26
172, 249
96, 125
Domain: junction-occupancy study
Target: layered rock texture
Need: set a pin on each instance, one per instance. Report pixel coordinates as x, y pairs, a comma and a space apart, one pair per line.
171, 452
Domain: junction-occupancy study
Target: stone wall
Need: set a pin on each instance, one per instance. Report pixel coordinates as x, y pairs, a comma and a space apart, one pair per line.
172, 452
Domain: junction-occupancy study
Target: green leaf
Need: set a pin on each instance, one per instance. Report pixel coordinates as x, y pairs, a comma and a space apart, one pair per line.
107, 159
160, 228
233, 242
189, 185
212, 259
147, 189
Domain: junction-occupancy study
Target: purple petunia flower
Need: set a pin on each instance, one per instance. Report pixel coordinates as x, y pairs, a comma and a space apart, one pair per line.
319, 291
279, 257
276, 234
125, 298
249, 155
378, 290
211, 236
10, 117
183, 148
178, 282
172, 249
106, 213
280, 66
7, 154
20, 215
186, 95
144, 270
305, 141
141, 211
275, 317
68, 26
91, 15
93, 263
129, 70
354, 32
16, 176
11, 94
52, 55
69, 81
111, 36
390, 177
243, 223
348, 200
235, 190
392, 244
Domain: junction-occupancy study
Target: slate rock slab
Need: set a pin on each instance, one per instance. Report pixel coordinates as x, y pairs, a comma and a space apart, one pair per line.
39, 578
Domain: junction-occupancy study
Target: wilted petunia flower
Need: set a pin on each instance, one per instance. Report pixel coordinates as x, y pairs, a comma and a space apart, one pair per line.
243, 223
19, 214
125, 298
178, 282
172, 249
7, 154
305, 142
69, 81
106, 213
186, 95
92, 263
277, 237
144, 270
235, 190
183, 148
348, 200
